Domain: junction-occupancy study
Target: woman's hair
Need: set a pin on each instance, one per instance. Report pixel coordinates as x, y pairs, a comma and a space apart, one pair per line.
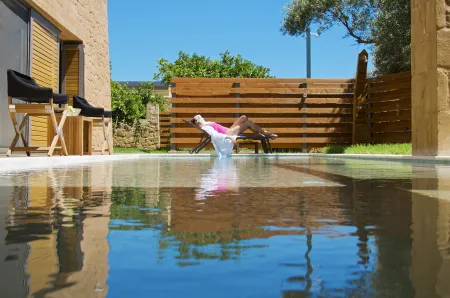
197, 120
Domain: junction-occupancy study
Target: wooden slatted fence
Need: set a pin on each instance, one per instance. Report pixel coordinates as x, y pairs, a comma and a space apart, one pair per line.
385, 110
164, 129
305, 113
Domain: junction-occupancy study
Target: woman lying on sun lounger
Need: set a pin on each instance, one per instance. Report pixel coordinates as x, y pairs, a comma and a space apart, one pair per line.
238, 127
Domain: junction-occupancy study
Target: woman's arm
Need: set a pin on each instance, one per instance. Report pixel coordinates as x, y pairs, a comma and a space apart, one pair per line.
233, 139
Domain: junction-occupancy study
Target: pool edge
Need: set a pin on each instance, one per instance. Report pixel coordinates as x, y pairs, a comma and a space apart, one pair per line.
385, 157
14, 164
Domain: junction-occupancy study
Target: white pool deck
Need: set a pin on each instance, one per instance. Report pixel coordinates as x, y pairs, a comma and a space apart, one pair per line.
21, 163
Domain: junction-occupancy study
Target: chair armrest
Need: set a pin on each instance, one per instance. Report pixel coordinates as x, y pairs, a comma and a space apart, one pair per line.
61, 99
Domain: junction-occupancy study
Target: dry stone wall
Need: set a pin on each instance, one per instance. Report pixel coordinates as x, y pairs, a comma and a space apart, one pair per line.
143, 135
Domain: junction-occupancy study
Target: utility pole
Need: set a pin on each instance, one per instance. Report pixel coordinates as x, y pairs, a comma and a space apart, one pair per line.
308, 53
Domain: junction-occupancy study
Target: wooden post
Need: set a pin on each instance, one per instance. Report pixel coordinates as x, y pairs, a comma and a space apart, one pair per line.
173, 147
359, 91
238, 95
158, 125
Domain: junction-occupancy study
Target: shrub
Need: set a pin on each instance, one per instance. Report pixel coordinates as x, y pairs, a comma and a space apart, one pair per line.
129, 104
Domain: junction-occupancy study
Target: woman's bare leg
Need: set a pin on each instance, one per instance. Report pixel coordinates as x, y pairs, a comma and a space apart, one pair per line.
239, 121
242, 124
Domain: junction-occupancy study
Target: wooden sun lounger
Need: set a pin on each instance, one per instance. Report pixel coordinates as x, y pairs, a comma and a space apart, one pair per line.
206, 139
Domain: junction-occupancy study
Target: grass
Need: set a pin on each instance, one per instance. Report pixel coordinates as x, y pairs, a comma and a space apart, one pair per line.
118, 150
397, 149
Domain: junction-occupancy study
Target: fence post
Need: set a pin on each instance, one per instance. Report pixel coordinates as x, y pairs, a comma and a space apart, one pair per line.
237, 95
173, 147
305, 116
369, 116
158, 126
305, 124
359, 89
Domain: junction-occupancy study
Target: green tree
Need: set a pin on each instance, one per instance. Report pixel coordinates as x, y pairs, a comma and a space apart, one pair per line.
383, 25
197, 66
392, 32
129, 104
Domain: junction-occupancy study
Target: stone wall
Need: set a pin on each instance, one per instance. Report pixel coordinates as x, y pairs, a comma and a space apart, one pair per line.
85, 21
144, 135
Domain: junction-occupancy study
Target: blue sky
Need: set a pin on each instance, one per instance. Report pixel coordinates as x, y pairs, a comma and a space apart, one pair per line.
143, 31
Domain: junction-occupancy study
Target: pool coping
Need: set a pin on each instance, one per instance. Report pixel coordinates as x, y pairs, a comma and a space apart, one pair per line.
14, 164
386, 157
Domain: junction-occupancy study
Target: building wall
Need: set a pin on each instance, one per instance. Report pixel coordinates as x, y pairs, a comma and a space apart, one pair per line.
85, 21
430, 64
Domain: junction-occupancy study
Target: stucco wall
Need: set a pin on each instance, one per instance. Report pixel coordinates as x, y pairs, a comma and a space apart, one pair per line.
85, 21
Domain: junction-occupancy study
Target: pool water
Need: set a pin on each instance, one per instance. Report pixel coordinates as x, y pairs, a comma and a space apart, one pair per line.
238, 227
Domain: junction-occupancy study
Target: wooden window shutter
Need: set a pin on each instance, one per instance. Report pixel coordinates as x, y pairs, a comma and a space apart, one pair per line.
44, 69
72, 72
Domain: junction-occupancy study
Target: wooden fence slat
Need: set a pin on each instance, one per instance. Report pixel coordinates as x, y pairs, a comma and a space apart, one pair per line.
326, 81
260, 120
389, 118
404, 125
323, 130
391, 137
389, 77
186, 81
263, 100
388, 98
318, 140
391, 82
390, 87
274, 110
387, 108
392, 93
253, 80
181, 91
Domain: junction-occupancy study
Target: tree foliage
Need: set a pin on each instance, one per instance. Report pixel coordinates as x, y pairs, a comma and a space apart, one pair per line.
383, 25
197, 66
129, 104
392, 32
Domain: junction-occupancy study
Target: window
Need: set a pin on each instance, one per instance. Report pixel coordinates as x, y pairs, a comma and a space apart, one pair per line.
14, 54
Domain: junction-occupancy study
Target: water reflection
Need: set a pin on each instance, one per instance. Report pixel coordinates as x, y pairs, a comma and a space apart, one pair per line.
227, 228
221, 178
55, 234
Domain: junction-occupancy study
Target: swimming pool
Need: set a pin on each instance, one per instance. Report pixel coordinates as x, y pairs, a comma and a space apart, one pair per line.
240, 227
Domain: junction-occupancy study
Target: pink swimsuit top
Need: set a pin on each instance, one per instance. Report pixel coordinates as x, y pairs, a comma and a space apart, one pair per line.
219, 128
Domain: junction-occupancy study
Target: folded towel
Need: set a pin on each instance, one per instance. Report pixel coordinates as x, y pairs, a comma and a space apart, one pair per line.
221, 142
